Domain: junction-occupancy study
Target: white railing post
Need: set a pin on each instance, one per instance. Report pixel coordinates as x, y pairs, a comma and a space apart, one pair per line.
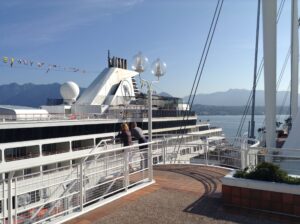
126, 168
150, 162
206, 151
81, 184
16, 203
164, 151
9, 196
4, 198
243, 153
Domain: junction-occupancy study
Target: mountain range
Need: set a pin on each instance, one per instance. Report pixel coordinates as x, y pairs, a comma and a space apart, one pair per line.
236, 97
37, 94
32, 95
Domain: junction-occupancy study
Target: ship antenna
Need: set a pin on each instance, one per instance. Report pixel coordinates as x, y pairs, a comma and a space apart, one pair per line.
108, 59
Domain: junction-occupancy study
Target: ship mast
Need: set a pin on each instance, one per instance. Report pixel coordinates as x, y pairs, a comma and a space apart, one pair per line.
294, 60
269, 8
252, 124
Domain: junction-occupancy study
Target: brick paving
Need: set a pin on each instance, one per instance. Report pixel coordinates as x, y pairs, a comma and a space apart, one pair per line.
181, 194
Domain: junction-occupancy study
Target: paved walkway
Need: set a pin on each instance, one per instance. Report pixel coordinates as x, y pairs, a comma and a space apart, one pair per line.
181, 194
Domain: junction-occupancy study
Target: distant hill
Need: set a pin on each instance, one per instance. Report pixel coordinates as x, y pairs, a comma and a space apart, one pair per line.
234, 97
232, 110
32, 95
165, 94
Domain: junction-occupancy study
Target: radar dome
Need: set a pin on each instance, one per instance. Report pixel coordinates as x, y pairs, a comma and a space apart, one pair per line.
69, 91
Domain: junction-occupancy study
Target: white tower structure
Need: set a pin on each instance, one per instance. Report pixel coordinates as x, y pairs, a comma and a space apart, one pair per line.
269, 41
294, 59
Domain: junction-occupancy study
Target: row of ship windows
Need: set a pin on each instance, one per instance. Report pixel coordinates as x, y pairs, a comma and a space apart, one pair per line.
33, 151
27, 152
27, 134
190, 150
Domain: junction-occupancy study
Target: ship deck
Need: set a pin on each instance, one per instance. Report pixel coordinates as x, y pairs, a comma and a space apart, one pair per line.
181, 194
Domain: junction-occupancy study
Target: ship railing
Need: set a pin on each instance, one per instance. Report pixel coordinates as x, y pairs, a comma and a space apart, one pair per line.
102, 143
112, 113
195, 149
237, 153
286, 158
62, 193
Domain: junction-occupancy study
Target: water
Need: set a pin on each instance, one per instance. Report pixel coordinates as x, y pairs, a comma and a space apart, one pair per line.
230, 123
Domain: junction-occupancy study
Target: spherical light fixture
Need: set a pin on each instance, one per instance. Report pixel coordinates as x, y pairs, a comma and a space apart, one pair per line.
140, 63
158, 68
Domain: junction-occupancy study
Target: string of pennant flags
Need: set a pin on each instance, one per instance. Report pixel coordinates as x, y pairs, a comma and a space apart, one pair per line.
12, 62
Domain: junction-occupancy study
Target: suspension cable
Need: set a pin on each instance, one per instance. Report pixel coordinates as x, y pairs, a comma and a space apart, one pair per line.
284, 100
241, 125
200, 68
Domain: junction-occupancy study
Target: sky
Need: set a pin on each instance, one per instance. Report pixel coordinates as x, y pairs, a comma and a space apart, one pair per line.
78, 33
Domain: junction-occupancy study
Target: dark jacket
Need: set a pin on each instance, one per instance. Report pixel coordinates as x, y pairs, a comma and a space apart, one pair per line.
138, 134
125, 137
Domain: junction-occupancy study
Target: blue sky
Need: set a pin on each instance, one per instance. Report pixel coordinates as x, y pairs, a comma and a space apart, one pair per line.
78, 33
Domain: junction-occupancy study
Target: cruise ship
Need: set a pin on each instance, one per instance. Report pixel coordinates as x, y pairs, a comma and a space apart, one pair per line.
63, 159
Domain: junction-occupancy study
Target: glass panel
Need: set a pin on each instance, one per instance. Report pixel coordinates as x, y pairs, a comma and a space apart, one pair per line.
18, 153
55, 148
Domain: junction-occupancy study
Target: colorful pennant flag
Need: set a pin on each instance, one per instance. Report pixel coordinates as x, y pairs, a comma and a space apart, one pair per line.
12, 60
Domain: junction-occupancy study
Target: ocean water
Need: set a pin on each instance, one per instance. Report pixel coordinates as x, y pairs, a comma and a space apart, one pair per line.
230, 123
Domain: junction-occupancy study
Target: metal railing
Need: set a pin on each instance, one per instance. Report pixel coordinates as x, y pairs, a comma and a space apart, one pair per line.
112, 113
237, 153
100, 175
60, 193
287, 159
195, 149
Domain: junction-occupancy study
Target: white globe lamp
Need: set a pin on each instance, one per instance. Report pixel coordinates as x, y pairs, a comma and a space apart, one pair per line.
158, 68
140, 63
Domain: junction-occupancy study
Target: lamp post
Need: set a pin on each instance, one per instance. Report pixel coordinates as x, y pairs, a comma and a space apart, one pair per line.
158, 69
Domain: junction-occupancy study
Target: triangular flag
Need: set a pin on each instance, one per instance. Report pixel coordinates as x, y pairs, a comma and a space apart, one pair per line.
49, 67
40, 64
12, 60
25, 62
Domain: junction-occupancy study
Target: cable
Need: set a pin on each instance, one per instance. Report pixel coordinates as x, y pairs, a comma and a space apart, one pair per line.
201, 63
200, 68
255, 72
284, 100
240, 128
280, 10
205, 46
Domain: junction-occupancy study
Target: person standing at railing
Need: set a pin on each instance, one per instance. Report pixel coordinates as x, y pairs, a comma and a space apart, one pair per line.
137, 133
125, 135
126, 139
